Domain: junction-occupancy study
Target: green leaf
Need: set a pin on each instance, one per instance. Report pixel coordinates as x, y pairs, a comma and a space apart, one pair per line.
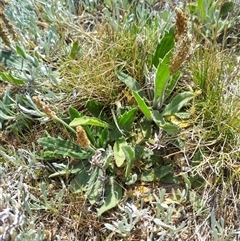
131, 83
6, 117
170, 128
114, 196
160, 83
58, 147
95, 108
226, 8
21, 52
95, 186
86, 120
131, 179
74, 113
130, 156
142, 105
156, 174
126, 120
64, 172
170, 178
103, 139
158, 119
164, 46
80, 181
8, 77
119, 154
172, 82
29, 111
75, 50
12, 60
177, 103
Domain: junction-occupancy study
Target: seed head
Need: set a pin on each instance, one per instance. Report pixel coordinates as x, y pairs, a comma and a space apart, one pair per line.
180, 54
46, 109
182, 40
181, 24
82, 138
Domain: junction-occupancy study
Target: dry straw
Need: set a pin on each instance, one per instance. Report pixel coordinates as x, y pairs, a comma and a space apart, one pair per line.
182, 40
46, 109
82, 138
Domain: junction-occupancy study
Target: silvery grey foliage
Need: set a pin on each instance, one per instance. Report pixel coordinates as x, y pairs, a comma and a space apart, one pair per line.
16, 218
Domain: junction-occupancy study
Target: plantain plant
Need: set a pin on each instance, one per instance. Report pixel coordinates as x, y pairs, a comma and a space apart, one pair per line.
171, 52
95, 149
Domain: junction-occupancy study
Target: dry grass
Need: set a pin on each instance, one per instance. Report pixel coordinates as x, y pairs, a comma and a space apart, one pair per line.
93, 75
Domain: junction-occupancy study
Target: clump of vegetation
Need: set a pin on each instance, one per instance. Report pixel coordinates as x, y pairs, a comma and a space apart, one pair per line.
119, 121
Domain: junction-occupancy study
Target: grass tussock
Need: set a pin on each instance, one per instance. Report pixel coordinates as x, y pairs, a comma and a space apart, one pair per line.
93, 74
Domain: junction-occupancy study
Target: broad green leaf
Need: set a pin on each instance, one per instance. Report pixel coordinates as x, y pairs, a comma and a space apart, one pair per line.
95, 186
156, 174
160, 83
126, 120
11, 79
202, 8
86, 120
170, 128
172, 82
226, 8
158, 119
131, 83
114, 196
164, 46
80, 181
183, 115
142, 105
170, 178
130, 156
103, 139
119, 154
74, 113
64, 172
95, 108
145, 130
177, 103
56, 146
131, 179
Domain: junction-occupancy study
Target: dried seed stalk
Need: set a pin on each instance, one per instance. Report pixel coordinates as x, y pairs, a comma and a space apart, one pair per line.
6, 27
182, 40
